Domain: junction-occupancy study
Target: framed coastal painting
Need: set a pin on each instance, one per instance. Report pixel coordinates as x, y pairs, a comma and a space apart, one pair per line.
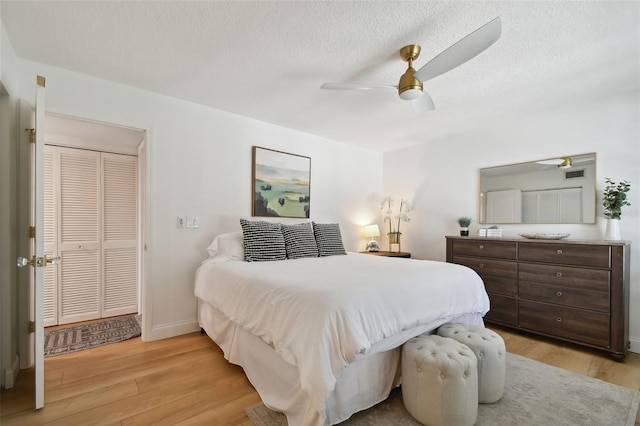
281, 184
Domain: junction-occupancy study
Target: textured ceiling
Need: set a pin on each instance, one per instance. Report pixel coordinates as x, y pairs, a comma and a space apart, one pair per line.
267, 60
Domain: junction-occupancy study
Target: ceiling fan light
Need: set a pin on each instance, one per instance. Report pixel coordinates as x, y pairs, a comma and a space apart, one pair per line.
410, 94
409, 88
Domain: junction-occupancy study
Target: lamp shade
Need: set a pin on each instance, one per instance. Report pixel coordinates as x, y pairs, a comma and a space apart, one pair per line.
371, 231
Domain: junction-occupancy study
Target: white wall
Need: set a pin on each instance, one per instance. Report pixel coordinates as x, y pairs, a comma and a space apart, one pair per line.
442, 178
199, 164
8, 175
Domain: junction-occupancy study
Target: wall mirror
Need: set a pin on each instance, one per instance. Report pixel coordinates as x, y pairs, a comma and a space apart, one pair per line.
550, 190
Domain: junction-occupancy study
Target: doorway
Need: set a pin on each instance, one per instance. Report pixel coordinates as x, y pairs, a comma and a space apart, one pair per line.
93, 217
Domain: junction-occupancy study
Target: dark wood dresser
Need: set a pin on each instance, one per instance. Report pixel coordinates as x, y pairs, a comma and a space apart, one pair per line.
572, 290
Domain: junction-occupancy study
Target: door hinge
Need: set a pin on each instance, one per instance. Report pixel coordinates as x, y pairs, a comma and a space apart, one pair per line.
32, 326
32, 232
32, 135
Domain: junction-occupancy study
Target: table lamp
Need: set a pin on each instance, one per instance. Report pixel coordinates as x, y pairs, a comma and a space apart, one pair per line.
371, 231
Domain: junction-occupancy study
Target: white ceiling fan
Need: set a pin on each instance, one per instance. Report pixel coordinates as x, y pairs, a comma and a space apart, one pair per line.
410, 86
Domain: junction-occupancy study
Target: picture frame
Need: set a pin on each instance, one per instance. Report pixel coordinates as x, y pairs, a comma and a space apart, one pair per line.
280, 184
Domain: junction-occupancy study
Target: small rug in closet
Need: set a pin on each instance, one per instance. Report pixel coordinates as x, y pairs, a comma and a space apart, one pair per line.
76, 338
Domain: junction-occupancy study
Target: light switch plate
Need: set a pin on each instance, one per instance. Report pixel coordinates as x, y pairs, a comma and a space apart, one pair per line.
181, 222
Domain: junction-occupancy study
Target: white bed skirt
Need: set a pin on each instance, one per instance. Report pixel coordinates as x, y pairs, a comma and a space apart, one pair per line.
363, 383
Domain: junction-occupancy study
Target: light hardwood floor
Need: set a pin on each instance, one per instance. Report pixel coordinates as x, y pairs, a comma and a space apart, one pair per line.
185, 380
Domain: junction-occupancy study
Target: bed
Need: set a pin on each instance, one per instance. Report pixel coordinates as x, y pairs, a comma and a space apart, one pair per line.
320, 337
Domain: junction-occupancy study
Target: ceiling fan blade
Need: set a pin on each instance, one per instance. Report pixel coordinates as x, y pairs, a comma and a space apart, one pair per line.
338, 86
463, 50
423, 103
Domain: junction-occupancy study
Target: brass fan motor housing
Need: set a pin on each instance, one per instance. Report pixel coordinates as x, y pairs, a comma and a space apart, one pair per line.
408, 81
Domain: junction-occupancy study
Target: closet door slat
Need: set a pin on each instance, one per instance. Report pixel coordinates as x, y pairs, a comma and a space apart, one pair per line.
120, 233
50, 300
80, 187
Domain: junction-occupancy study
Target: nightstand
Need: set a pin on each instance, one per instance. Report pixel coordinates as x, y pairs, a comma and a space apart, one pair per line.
388, 253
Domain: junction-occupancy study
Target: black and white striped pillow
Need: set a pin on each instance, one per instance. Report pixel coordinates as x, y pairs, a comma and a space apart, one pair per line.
263, 241
329, 239
299, 241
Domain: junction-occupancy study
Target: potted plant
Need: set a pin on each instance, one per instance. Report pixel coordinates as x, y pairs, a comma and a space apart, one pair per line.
386, 205
614, 197
464, 223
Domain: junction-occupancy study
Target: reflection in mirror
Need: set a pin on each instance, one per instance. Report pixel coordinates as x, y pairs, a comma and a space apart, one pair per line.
552, 190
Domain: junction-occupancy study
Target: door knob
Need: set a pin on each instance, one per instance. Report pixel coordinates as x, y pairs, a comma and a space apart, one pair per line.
37, 261
23, 261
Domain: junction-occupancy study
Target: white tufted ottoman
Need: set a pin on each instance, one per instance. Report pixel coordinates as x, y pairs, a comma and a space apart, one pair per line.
439, 381
491, 355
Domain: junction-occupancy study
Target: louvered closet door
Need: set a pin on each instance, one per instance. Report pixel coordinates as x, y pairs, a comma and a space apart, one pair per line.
120, 231
79, 236
50, 300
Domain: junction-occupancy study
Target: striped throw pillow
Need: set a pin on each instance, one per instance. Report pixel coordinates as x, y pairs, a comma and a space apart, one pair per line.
329, 239
299, 241
263, 241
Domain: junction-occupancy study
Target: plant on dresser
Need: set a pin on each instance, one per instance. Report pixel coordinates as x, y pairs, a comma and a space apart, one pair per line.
572, 290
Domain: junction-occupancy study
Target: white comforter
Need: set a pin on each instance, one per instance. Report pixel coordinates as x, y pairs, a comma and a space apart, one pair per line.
321, 313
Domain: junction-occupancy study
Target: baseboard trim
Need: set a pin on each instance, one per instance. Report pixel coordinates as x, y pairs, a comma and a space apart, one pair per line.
634, 345
165, 331
11, 374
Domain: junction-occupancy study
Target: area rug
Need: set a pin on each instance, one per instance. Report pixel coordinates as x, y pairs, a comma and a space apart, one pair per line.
77, 338
535, 394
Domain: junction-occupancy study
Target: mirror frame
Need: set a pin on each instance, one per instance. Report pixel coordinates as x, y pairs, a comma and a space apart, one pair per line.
536, 166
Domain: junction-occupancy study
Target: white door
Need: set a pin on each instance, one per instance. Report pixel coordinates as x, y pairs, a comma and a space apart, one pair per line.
119, 235
78, 235
91, 206
38, 260
504, 206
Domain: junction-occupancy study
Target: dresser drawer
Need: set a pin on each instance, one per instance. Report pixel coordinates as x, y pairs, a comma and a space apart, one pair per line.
568, 286
567, 254
484, 248
567, 276
504, 310
573, 324
499, 276
565, 296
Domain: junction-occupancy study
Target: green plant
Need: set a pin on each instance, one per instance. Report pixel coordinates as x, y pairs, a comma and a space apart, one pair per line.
464, 221
614, 197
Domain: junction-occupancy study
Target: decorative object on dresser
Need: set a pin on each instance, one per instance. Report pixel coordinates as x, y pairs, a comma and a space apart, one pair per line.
544, 236
464, 223
386, 205
388, 253
572, 290
371, 231
614, 197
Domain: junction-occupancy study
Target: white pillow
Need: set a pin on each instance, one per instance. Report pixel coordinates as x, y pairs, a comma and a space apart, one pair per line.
229, 245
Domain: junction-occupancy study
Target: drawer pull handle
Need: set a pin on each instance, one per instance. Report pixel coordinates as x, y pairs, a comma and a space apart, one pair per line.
559, 319
558, 274
559, 294
481, 265
480, 246
559, 251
